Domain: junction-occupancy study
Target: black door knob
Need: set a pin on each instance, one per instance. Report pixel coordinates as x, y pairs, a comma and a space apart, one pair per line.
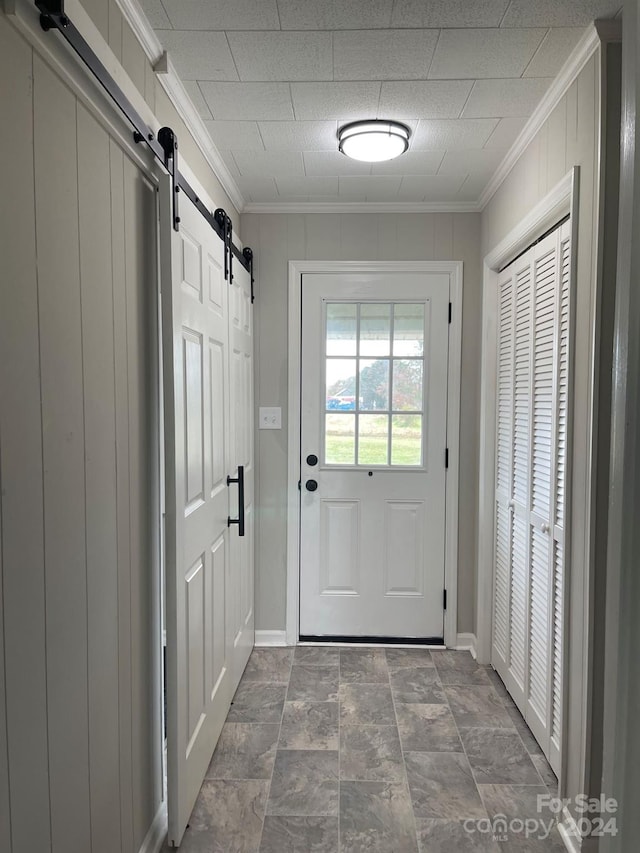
311, 485
312, 459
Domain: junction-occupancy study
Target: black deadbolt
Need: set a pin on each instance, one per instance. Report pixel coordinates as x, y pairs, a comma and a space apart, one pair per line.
311, 485
312, 459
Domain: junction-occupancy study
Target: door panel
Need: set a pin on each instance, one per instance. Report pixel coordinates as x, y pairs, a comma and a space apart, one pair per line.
241, 453
374, 391
532, 407
196, 399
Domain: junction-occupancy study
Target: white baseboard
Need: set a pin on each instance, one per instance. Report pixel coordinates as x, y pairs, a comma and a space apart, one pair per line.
467, 643
569, 832
271, 638
157, 834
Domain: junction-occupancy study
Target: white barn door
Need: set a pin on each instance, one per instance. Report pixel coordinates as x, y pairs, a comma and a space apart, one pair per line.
195, 307
241, 613
531, 416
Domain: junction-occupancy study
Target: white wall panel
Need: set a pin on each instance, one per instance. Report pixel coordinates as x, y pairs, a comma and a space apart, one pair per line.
79, 551
21, 464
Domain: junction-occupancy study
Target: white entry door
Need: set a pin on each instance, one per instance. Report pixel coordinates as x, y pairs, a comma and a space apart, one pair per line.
373, 444
208, 438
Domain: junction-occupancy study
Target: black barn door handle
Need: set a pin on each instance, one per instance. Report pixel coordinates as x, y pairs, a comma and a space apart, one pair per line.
240, 519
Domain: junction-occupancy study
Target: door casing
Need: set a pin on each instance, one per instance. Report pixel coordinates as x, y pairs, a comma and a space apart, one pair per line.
296, 271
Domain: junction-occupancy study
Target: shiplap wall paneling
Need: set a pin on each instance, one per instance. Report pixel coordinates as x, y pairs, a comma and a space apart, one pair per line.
63, 451
21, 462
78, 463
94, 217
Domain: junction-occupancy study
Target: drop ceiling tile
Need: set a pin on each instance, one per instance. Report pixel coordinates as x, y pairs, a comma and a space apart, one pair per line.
506, 132
269, 163
258, 189
299, 135
448, 134
197, 98
199, 55
235, 135
383, 54
448, 13
470, 162
430, 187
222, 14
282, 56
424, 98
474, 185
230, 163
344, 15
248, 101
553, 52
333, 163
306, 186
465, 54
335, 100
369, 188
551, 13
156, 14
500, 98
410, 163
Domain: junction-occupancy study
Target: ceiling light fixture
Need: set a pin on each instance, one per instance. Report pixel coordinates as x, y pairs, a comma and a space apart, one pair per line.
373, 140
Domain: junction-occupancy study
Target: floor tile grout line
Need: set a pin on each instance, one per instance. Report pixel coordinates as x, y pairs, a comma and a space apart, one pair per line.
514, 727
404, 762
455, 722
266, 802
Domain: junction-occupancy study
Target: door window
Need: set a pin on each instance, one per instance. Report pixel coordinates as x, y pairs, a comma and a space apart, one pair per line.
374, 384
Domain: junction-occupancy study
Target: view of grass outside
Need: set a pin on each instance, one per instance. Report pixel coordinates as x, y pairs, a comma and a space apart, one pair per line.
406, 441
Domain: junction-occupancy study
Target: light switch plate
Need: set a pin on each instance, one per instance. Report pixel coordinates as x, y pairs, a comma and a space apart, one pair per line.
270, 417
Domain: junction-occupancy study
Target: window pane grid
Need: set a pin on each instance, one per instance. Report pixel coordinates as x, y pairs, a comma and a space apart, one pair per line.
363, 425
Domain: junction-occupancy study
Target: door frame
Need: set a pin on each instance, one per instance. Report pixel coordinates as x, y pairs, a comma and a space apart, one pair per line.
296, 271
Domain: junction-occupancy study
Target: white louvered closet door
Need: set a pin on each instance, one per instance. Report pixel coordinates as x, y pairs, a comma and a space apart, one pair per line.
531, 418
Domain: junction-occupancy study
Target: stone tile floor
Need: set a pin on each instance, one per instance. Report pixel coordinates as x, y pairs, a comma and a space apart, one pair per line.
329, 750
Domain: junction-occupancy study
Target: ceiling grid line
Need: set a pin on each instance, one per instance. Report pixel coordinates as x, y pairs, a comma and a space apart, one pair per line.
466, 78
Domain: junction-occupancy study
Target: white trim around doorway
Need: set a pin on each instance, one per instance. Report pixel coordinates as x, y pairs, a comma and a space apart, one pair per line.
296, 270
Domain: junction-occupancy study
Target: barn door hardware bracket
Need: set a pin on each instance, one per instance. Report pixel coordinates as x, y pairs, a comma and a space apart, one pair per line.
53, 16
49, 9
169, 143
248, 254
226, 232
220, 217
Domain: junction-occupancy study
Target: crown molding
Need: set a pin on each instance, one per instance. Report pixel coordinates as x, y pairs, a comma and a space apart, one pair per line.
142, 29
363, 207
577, 60
171, 83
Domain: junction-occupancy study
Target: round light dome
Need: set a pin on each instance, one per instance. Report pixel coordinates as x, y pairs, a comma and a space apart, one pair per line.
373, 141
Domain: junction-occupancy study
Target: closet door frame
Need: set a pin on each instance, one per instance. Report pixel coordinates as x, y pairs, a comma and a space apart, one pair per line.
560, 202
